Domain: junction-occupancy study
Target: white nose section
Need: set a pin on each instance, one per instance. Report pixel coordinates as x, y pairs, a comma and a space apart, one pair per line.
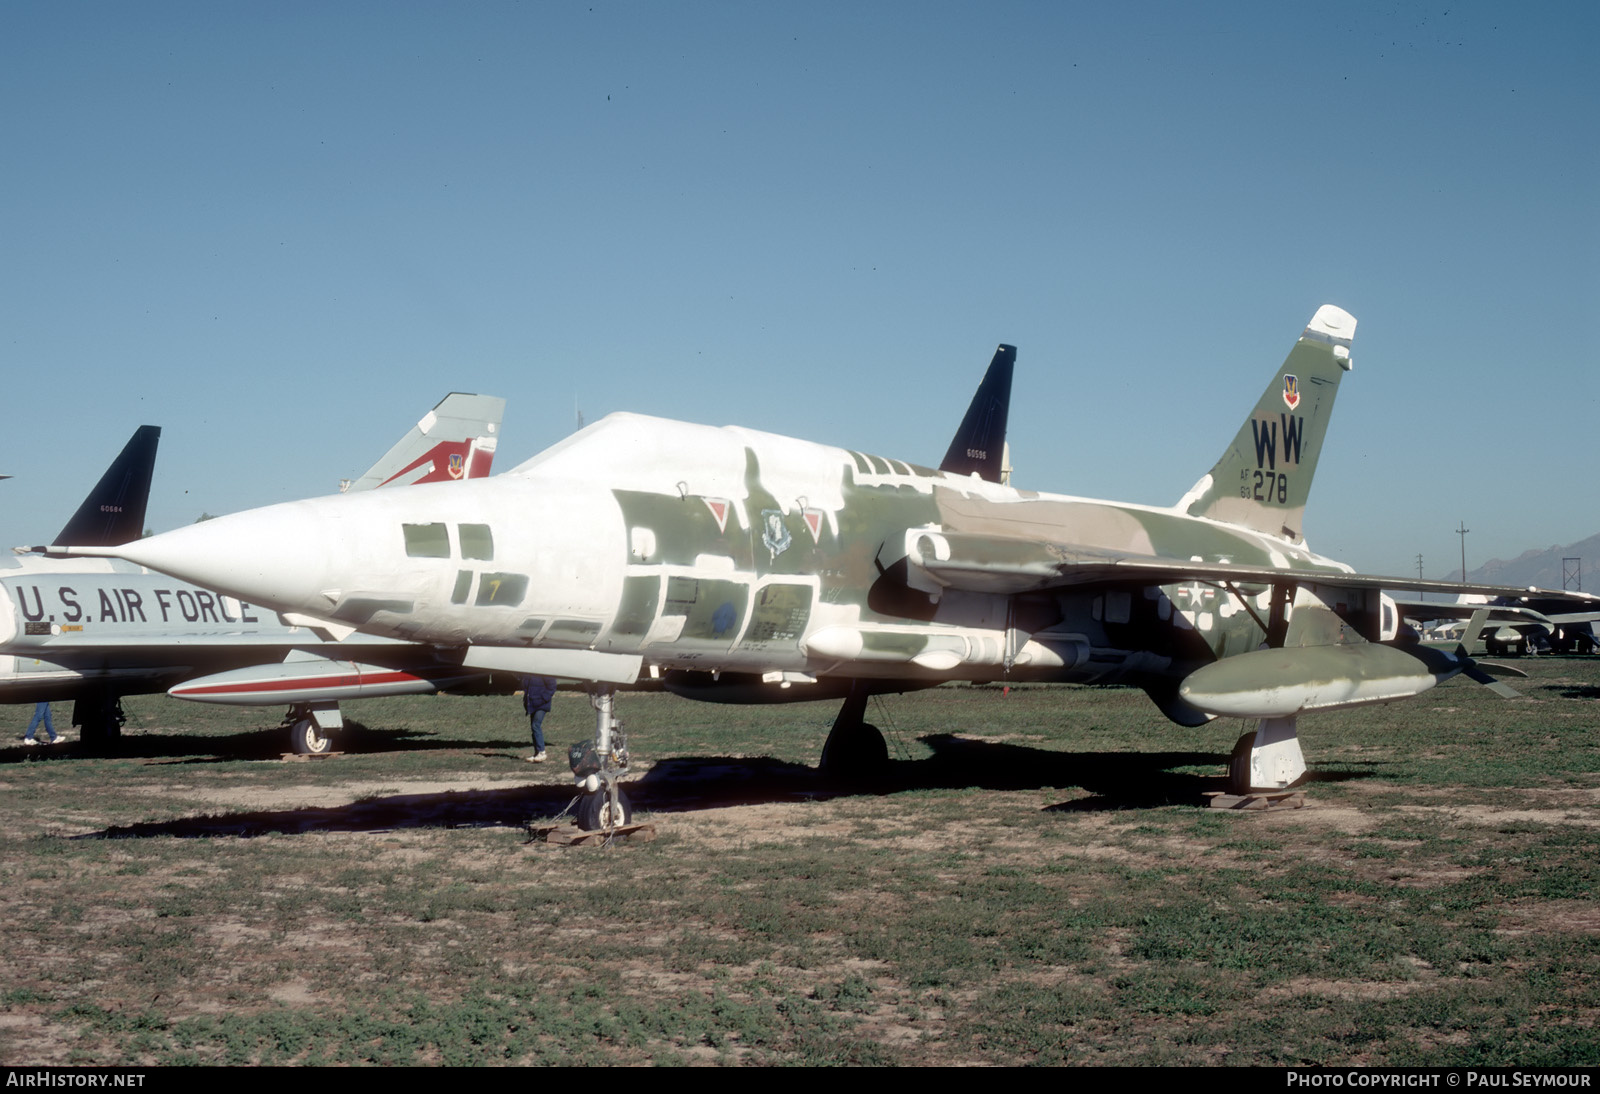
277, 556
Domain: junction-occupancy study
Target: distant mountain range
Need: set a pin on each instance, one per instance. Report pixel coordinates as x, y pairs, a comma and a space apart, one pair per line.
1541, 568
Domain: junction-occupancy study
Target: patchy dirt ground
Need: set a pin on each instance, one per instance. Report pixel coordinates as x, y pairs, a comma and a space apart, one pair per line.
1054, 892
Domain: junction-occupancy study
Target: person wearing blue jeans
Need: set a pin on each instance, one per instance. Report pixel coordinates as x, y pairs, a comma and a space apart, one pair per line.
41, 713
537, 693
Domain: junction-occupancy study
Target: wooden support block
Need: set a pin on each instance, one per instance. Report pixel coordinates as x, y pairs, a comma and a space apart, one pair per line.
570, 835
1261, 799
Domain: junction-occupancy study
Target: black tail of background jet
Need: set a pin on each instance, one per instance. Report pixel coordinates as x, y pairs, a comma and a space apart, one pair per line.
1263, 479
113, 513
855, 747
980, 442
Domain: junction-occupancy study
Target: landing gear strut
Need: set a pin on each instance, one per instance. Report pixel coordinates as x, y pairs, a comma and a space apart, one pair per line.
1267, 759
597, 768
99, 720
854, 749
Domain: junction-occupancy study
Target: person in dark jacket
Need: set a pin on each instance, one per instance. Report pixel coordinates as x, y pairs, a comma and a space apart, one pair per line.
537, 693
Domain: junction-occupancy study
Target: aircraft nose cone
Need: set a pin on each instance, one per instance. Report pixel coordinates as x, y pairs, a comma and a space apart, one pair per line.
277, 556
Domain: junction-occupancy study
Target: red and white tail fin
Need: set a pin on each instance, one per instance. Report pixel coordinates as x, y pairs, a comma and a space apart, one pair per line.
454, 440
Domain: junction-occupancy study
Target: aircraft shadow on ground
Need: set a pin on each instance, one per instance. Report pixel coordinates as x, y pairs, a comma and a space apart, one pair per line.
1116, 781
258, 744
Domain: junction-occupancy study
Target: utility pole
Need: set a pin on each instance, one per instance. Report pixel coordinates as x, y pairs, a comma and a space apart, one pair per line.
1462, 531
1419, 574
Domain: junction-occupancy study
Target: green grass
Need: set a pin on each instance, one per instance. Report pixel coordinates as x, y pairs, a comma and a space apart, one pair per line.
1038, 881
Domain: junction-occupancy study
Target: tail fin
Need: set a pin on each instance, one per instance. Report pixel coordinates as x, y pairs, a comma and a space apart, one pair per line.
454, 440
1263, 479
113, 513
979, 445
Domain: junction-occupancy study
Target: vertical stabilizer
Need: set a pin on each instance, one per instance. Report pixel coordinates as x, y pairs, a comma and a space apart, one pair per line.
113, 513
1263, 479
979, 445
454, 440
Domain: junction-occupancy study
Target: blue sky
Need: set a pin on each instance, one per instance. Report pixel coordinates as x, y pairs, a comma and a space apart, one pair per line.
283, 231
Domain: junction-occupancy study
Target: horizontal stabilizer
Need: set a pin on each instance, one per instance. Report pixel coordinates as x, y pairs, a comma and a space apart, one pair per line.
1497, 613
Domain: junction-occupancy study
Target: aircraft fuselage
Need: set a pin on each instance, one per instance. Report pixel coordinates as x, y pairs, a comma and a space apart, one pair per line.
713, 551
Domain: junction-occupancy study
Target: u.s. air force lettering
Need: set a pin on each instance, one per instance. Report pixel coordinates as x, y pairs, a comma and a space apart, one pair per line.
127, 599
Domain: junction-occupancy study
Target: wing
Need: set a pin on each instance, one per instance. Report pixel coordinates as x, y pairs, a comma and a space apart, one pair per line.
1498, 613
981, 563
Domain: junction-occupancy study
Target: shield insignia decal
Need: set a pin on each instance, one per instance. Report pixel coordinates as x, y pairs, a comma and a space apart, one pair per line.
457, 464
774, 535
1291, 391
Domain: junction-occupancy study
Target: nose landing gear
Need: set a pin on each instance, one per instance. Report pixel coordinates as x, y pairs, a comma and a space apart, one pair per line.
597, 768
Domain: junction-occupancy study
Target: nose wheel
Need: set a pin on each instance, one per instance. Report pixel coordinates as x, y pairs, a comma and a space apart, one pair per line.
604, 809
597, 768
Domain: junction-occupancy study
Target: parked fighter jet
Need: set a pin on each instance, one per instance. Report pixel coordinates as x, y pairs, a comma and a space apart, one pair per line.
94, 631
744, 566
1521, 624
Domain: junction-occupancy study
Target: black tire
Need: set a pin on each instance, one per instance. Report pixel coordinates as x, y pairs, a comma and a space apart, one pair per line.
1239, 764
595, 811
99, 720
308, 739
861, 753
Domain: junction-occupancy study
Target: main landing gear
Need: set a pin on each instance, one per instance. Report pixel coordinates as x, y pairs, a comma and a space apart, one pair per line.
855, 749
99, 719
597, 768
312, 726
1267, 759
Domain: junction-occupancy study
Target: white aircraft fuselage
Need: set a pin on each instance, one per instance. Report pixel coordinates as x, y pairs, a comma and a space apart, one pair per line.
725, 550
